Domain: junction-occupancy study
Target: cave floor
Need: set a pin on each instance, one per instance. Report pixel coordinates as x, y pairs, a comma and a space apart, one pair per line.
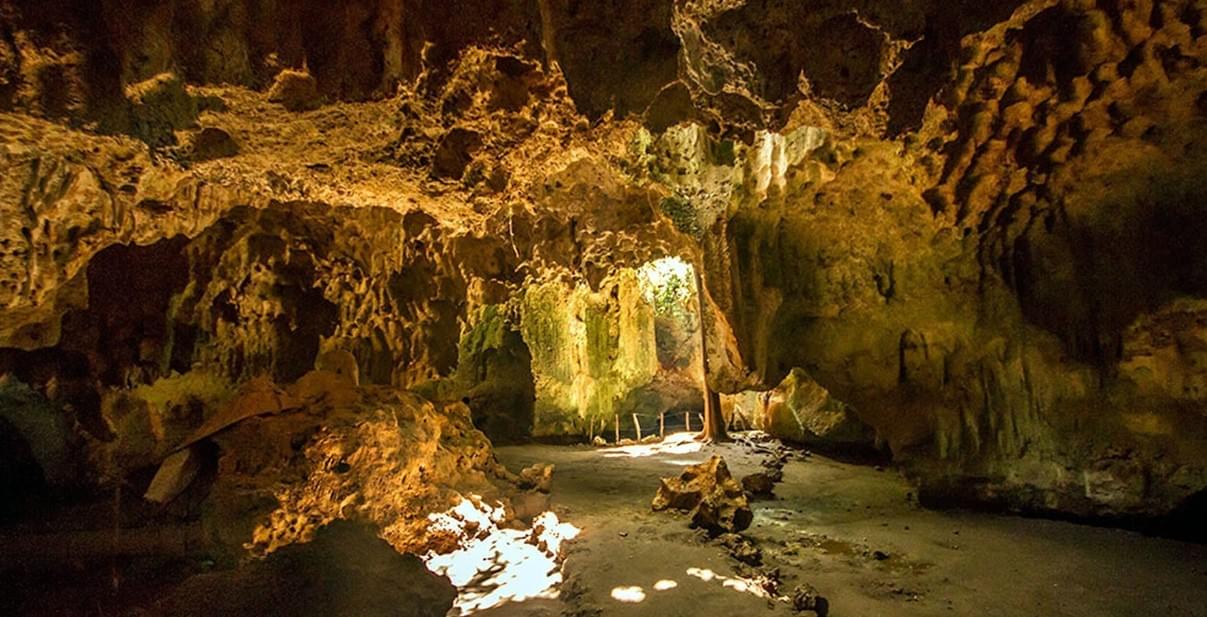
824, 528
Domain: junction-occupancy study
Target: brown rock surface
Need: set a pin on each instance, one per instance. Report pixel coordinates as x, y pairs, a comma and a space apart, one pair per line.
367, 453
974, 225
714, 500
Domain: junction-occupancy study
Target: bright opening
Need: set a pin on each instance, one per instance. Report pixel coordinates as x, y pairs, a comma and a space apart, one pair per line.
667, 282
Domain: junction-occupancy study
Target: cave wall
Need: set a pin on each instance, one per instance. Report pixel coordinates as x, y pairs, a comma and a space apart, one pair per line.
995, 294
976, 226
590, 349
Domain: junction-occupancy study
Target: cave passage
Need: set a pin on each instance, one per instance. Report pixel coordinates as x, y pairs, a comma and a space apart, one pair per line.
420, 308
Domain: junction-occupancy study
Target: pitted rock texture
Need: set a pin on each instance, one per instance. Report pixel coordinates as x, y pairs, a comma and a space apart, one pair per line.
974, 224
368, 453
708, 493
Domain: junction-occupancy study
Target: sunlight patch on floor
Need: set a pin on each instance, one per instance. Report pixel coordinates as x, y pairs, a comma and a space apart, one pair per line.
665, 585
678, 443
494, 565
736, 583
628, 595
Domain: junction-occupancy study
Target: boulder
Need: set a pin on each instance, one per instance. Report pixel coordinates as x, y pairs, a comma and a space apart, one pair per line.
761, 484
538, 476
294, 90
715, 500
213, 143
801, 411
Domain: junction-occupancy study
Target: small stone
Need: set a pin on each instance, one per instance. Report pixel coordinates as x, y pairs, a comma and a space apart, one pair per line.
538, 476
744, 551
213, 143
806, 598
880, 555
758, 484
294, 90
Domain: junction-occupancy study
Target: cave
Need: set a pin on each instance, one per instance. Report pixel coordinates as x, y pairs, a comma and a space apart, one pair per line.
439, 308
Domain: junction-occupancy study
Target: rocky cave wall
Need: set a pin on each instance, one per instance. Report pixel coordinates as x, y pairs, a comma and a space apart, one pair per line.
975, 226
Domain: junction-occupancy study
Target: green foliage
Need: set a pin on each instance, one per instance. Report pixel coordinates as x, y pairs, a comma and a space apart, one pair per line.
682, 214
669, 284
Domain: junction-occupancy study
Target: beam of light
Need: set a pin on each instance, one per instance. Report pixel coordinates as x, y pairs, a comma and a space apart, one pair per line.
492, 565
628, 595
679, 443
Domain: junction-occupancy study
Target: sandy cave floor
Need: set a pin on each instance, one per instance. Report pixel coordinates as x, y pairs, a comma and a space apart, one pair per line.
824, 528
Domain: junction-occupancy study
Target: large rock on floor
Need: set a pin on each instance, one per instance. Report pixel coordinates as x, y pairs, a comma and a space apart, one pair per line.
715, 500
346, 570
367, 453
801, 411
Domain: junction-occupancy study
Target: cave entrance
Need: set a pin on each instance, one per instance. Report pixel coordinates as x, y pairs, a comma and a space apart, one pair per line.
671, 401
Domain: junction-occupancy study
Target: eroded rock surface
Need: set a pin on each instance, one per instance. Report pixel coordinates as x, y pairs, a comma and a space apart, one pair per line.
713, 499
975, 226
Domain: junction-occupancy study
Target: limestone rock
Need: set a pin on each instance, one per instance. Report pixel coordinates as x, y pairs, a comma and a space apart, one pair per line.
152, 421
454, 153
715, 500
369, 453
174, 476
760, 484
295, 90
159, 106
805, 598
39, 427
741, 549
529, 505
801, 411
340, 362
212, 143
538, 476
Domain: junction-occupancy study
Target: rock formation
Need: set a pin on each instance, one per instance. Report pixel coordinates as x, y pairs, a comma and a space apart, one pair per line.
713, 499
974, 225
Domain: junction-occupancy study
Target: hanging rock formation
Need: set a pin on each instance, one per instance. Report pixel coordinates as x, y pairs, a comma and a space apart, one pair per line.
974, 225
